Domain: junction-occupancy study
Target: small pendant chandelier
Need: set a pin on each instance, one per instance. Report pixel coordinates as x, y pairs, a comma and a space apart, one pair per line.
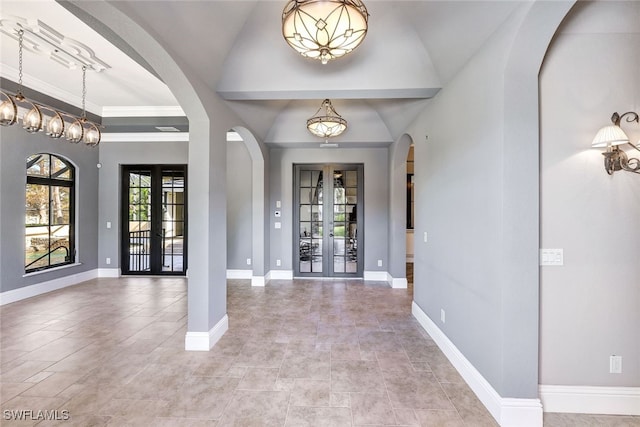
324, 29
328, 125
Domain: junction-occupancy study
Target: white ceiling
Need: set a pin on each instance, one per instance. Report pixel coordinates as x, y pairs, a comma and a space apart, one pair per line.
412, 49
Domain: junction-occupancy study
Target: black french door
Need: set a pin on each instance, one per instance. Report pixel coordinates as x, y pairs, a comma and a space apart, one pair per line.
154, 213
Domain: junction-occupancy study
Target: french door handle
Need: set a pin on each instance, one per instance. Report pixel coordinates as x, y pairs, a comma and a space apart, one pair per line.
330, 234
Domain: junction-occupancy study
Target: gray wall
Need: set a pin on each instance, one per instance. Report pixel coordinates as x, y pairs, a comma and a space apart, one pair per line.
15, 146
112, 155
590, 307
376, 199
477, 198
239, 206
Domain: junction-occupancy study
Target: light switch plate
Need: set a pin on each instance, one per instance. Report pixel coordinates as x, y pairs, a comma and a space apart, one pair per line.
551, 257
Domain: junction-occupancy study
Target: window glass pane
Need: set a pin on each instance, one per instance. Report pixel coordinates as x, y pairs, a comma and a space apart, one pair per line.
316, 179
305, 229
37, 204
352, 195
305, 178
305, 213
134, 179
352, 178
305, 196
38, 165
60, 169
60, 199
36, 244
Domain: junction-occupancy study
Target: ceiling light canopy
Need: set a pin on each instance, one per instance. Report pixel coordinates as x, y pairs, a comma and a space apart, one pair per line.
328, 125
324, 29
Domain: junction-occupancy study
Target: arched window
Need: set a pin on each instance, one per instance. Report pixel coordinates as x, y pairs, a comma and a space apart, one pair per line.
49, 215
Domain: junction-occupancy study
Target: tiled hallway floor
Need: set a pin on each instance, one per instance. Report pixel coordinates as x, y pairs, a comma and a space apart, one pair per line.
297, 353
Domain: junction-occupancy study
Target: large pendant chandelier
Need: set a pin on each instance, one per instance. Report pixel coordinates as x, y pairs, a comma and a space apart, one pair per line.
328, 125
324, 29
53, 122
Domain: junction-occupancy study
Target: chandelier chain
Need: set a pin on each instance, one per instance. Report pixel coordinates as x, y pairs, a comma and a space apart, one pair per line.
20, 40
84, 90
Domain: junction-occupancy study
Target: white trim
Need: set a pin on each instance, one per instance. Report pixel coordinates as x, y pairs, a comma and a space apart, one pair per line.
258, 281
42, 288
203, 341
48, 89
48, 270
239, 274
378, 276
279, 275
108, 272
398, 282
143, 111
145, 137
591, 400
506, 411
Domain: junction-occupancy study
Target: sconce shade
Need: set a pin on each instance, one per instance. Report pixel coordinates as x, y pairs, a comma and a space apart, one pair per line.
8, 111
324, 29
55, 126
75, 132
609, 136
32, 121
92, 135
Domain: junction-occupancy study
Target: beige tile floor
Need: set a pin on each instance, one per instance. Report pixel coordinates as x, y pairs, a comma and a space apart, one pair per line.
297, 353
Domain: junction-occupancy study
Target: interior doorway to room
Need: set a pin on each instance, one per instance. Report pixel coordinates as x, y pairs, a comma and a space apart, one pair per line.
154, 212
328, 220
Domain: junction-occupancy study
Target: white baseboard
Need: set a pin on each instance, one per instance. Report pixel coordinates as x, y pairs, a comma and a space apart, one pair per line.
376, 276
239, 274
591, 400
258, 281
279, 275
507, 411
398, 282
108, 272
42, 288
203, 341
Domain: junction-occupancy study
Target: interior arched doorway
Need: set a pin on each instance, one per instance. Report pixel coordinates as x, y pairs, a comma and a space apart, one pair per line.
259, 205
398, 152
209, 120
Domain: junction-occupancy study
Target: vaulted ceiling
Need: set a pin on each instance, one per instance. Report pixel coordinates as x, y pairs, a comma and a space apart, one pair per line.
412, 50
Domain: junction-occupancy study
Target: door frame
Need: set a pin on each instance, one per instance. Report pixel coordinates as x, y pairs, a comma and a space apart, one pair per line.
156, 252
327, 268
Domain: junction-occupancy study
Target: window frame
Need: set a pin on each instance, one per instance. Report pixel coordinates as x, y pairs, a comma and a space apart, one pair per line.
50, 182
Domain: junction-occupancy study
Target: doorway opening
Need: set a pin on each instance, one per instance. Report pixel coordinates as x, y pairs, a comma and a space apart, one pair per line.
154, 213
328, 220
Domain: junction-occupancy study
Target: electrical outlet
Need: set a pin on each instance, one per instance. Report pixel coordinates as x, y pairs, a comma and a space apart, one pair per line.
248, 261
615, 364
425, 237
379, 263
108, 224
108, 261
278, 263
442, 318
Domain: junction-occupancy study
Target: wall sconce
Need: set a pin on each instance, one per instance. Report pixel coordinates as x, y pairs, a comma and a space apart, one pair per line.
611, 137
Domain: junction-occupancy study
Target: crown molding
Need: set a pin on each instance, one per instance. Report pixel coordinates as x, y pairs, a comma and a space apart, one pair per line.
41, 86
143, 111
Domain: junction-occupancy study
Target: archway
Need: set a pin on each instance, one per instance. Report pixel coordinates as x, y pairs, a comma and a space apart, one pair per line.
398, 152
209, 120
259, 205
